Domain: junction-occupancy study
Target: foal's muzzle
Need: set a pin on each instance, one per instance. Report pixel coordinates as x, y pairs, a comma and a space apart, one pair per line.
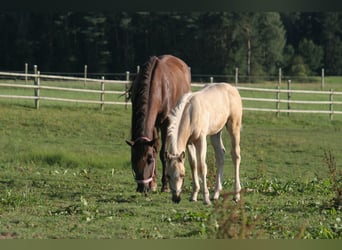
176, 198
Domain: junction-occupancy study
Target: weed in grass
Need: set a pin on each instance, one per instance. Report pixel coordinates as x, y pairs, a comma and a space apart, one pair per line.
335, 177
232, 220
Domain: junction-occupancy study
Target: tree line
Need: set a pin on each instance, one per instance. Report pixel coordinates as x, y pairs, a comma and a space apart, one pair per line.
258, 43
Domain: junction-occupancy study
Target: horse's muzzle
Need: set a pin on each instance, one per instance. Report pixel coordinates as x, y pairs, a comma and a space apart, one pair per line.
176, 197
143, 187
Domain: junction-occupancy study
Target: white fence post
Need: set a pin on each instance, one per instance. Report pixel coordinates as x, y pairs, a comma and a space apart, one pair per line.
288, 96
322, 79
26, 72
331, 104
278, 101
236, 76
37, 90
126, 88
102, 98
85, 74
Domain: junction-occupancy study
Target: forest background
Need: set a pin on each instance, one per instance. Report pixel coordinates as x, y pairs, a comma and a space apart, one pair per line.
258, 43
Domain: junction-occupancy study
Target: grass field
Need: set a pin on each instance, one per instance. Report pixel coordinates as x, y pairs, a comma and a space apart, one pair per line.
65, 173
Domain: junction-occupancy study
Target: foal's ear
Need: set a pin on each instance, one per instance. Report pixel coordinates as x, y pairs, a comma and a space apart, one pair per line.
130, 143
181, 156
167, 155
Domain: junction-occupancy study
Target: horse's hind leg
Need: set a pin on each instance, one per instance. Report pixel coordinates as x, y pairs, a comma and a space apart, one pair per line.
216, 141
234, 127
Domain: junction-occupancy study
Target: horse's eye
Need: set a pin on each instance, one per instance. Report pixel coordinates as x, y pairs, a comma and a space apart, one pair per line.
150, 159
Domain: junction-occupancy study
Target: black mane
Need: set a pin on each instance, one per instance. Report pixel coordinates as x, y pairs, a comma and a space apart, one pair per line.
139, 94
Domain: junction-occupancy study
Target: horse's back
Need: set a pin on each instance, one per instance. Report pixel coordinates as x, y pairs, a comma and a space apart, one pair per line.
174, 77
214, 105
176, 72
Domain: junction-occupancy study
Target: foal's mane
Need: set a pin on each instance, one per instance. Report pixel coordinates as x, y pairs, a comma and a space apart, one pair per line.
139, 93
175, 118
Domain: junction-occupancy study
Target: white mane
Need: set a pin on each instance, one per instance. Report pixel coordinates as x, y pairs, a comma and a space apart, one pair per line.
175, 116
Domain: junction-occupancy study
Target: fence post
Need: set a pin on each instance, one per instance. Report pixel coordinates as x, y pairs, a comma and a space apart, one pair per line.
211, 79
138, 69
288, 96
322, 79
102, 93
26, 71
236, 75
126, 89
36, 89
331, 104
279, 77
278, 101
85, 74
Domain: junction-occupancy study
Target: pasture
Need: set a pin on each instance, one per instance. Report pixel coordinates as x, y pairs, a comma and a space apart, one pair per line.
65, 173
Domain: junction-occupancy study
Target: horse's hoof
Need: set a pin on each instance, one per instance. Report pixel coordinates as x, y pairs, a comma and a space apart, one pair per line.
207, 203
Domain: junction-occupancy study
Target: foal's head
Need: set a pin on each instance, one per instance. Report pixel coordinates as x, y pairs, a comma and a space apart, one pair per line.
175, 172
143, 159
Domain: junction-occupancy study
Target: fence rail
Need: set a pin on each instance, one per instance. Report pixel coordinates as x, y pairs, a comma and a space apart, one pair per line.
37, 86
329, 103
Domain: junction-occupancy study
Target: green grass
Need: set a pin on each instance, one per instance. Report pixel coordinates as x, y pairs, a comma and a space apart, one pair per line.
65, 173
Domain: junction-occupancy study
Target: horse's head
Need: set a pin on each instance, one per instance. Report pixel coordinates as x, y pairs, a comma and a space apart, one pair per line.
143, 159
175, 172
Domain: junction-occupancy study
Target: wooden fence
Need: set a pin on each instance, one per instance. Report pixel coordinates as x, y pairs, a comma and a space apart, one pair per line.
38, 85
329, 103
277, 103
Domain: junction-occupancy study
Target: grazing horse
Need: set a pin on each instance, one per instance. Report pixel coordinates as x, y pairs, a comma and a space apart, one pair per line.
155, 91
197, 115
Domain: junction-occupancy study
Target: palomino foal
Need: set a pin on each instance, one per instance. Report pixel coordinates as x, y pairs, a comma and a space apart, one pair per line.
197, 115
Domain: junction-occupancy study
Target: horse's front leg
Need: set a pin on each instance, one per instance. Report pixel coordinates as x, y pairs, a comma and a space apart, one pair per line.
193, 165
164, 139
201, 155
234, 131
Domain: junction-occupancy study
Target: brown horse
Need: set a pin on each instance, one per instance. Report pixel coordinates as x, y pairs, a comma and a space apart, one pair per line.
160, 83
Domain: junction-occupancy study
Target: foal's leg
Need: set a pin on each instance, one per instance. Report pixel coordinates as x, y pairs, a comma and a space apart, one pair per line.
216, 141
193, 165
201, 154
234, 131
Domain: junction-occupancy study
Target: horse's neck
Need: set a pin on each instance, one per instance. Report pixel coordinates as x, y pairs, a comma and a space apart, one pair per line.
183, 135
143, 125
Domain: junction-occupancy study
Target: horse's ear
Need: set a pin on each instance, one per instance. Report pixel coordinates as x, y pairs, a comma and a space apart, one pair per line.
130, 143
167, 155
181, 157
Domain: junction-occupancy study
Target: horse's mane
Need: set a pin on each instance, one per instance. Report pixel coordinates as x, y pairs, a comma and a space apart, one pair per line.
175, 117
139, 93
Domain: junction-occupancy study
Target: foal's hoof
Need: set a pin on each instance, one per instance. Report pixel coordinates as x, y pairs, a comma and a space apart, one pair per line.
207, 203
